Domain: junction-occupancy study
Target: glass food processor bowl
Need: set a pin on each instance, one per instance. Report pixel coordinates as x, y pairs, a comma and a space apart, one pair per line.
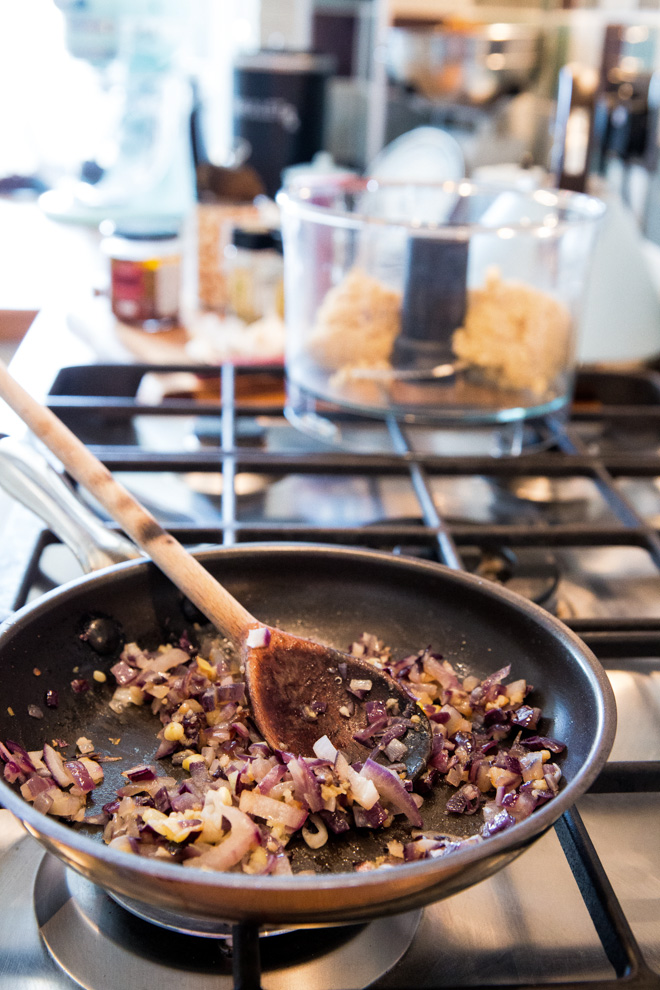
450, 305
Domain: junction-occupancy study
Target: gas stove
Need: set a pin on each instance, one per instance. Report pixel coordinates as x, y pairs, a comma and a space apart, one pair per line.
574, 526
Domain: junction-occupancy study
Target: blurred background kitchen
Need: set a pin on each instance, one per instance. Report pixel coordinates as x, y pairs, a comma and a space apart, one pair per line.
186, 117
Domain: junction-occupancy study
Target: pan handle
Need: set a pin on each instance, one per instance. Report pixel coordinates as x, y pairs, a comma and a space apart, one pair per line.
28, 477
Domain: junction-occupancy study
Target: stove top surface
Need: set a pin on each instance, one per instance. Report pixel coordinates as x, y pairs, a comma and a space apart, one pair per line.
528, 925
575, 527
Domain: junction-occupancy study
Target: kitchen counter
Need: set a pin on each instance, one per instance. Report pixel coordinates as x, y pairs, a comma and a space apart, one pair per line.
42, 264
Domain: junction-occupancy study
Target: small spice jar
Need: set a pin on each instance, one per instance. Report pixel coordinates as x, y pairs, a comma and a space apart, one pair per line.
253, 271
145, 272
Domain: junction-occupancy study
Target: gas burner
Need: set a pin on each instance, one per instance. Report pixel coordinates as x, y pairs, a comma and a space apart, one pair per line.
553, 500
532, 572
89, 935
576, 602
604, 392
173, 921
606, 437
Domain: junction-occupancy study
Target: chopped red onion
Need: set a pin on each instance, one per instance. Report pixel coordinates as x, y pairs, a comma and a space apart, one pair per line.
100, 818
497, 715
208, 700
165, 748
139, 773
20, 756
465, 801
440, 718
81, 775
360, 687
183, 802
306, 786
208, 819
398, 728
230, 692
543, 742
123, 673
43, 802
366, 735
375, 711
526, 717
35, 785
552, 776
507, 762
373, 818
337, 821
273, 777
497, 824
242, 836
392, 791
441, 759
363, 788
55, 764
13, 773
276, 812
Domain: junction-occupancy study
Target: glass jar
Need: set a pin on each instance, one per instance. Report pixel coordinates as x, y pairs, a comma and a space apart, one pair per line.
145, 273
254, 274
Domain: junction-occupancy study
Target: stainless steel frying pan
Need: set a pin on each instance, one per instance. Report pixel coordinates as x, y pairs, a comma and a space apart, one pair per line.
327, 593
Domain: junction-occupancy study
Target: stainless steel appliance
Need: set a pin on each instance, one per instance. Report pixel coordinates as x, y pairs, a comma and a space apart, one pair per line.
574, 527
472, 64
483, 79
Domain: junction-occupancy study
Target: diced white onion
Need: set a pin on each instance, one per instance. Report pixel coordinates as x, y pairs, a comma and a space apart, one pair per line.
364, 790
324, 749
395, 750
315, 839
277, 812
259, 637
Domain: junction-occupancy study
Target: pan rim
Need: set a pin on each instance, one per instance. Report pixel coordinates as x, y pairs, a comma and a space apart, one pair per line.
516, 837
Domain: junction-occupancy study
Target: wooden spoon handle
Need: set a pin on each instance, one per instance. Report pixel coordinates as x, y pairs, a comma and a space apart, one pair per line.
171, 557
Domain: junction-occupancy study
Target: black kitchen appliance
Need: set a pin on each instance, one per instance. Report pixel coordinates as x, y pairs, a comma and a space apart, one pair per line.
279, 109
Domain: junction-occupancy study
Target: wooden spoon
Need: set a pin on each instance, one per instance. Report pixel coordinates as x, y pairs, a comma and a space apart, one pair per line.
299, 690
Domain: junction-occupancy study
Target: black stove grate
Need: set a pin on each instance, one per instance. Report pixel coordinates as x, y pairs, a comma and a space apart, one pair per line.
613, 434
